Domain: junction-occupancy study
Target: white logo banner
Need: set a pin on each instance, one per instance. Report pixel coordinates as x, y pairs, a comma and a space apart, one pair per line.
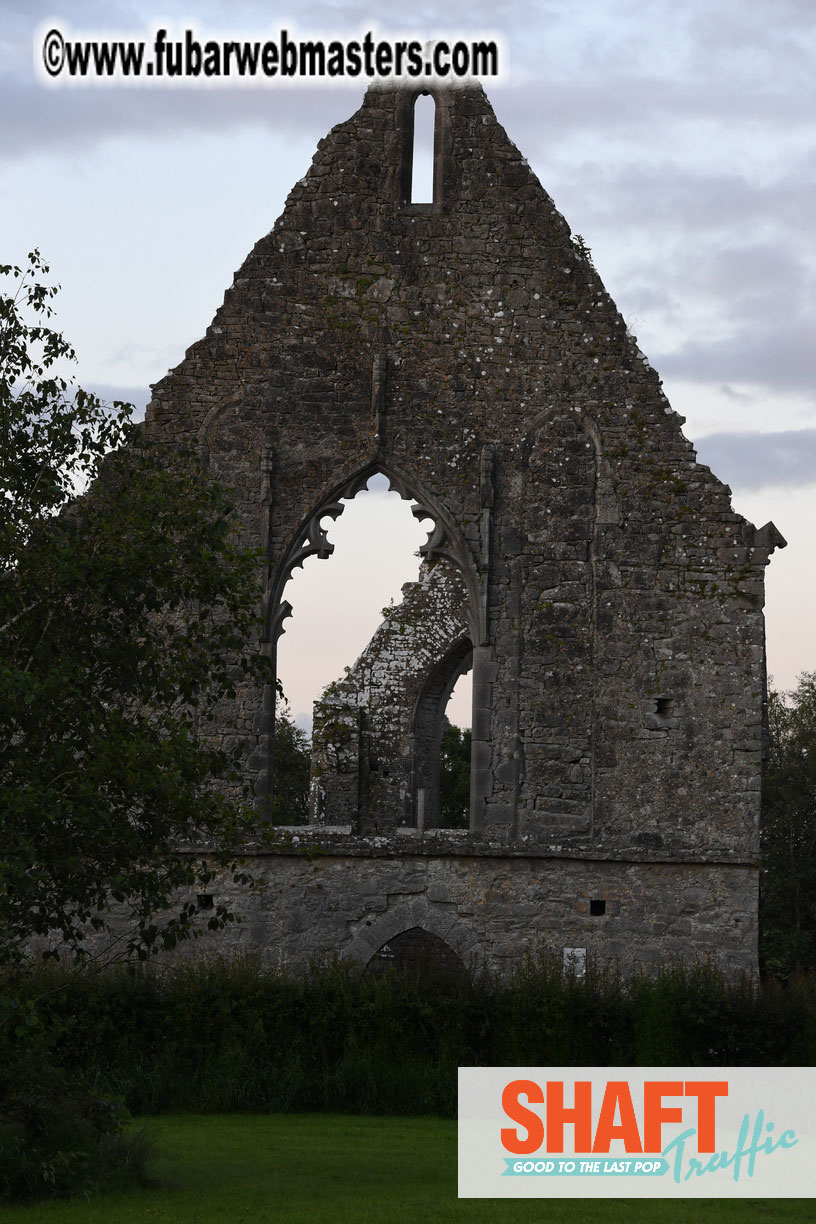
637, 1132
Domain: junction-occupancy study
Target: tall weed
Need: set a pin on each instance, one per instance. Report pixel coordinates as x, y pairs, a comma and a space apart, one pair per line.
234, 1035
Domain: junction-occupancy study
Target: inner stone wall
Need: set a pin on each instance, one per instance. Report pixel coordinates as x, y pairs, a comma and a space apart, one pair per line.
377, 729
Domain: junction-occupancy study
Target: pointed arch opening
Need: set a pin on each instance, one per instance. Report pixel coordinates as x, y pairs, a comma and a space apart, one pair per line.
436, 805
360, 771
418, 952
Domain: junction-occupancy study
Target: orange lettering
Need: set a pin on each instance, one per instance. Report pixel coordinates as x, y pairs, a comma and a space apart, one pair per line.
617, 1095
706, 1092
580, 1116
517, 1112
656, 1113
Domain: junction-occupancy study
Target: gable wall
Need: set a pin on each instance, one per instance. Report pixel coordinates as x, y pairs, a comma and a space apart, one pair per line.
470, 350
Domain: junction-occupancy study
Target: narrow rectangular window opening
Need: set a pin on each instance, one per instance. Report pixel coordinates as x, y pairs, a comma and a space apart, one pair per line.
665, 706
422, 162
597, 906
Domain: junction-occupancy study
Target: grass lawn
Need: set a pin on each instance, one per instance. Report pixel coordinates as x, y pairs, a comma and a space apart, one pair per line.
252, 1169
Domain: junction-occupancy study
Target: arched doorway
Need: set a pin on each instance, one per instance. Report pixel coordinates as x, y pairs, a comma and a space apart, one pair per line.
416, 951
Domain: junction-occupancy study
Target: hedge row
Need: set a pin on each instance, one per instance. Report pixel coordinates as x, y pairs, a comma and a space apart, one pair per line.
233, 1035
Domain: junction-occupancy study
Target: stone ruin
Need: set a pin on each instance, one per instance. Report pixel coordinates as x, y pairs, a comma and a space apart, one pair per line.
588, 569
376, 736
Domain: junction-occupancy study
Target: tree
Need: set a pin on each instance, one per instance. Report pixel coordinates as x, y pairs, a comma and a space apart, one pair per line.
126, 614
788, 838
454, 778
293, 759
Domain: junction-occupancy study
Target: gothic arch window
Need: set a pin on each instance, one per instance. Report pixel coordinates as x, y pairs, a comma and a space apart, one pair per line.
372, 788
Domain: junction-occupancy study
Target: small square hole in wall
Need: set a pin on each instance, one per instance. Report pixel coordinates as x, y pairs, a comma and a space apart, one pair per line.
205, 901
665, 706
597, 906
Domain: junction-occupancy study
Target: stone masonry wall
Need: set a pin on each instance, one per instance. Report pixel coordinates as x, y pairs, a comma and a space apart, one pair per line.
468, 350
495, 911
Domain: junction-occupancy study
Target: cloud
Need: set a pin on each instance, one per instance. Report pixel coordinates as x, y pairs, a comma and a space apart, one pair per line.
760, 460
78, 117
676, 139
621, 75
73, 120
138, 396
668, 194
776, 356
747, 311
719, 272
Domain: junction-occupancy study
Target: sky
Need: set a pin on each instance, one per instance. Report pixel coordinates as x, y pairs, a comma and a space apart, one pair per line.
676, 136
